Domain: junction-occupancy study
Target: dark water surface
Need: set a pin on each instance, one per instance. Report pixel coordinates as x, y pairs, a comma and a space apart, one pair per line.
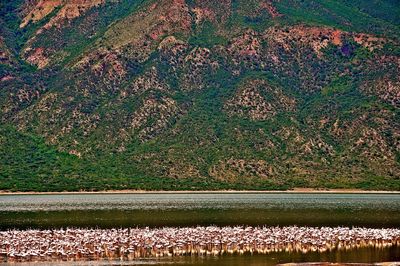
363, 255
157, 210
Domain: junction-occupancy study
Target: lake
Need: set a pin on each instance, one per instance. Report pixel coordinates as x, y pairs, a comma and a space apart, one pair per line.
186, 209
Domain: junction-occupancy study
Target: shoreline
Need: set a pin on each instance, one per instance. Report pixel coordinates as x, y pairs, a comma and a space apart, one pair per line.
293, 191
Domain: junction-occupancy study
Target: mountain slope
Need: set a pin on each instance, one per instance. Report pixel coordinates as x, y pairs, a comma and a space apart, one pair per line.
178, 94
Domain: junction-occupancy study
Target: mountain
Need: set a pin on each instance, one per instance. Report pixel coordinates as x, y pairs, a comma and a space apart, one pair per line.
199, 94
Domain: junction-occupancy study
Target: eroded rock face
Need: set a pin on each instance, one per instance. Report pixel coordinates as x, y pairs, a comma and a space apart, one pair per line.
173, 52
369, 41
224, 90
269, 6
246, 49
69, 9
153, 116
38, 57
151, 24
203, 14
316, 38
258, 100
234, 169
254, 9
197, 64
140, 33
386, 89
36, 11
149, 81
382, 79
104, 71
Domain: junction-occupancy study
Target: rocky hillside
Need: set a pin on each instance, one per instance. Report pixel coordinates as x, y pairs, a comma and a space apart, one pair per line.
199, 94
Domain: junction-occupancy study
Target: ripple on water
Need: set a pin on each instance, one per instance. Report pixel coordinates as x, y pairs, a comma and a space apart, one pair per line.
198, 201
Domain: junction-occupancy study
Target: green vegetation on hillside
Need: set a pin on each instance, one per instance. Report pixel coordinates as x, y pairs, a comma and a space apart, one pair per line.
201, 95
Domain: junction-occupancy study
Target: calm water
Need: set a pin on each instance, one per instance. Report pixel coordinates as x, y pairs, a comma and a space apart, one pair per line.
359, 256
156, 210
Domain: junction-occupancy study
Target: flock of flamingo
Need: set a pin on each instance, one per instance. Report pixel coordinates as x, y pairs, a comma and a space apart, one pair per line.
74, 244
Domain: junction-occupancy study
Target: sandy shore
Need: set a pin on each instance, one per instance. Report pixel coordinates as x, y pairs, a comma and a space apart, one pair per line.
295, 190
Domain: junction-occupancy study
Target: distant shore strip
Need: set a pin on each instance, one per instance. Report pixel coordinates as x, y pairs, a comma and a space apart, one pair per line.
292, 191
132, 243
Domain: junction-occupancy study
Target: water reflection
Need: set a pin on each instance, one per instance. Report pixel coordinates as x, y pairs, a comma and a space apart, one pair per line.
189, 201
156, 210
364, 255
